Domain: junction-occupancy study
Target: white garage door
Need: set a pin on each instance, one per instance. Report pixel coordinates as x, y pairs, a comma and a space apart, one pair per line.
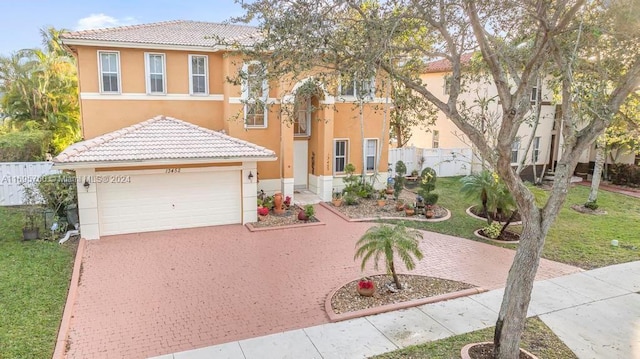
161, 201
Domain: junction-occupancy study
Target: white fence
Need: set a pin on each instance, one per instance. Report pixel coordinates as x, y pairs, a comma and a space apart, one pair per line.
14, 174
447, 162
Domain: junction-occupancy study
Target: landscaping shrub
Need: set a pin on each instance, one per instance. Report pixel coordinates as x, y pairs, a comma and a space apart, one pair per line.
625, 174
591, 205
58, 192
493, 230
24, 146
427, 185
356, 184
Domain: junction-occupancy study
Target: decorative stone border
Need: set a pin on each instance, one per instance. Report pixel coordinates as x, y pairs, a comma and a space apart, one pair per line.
484, 219
477, 234
262, 229
63, 331
369, 219
335, 317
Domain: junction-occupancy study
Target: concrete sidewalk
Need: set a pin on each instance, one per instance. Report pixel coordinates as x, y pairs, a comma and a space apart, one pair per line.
596, 313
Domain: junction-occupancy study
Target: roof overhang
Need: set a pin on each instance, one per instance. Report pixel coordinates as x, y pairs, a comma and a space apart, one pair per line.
139, 45
169, 162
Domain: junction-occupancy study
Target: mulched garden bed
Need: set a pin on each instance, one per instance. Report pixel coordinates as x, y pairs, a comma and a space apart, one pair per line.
368, 208
347, 299
478, 211
506, 236
485, 351
289, 217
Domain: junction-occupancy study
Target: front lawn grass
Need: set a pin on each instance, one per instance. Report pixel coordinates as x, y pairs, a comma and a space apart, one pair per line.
34, 278
537, 339
578, 239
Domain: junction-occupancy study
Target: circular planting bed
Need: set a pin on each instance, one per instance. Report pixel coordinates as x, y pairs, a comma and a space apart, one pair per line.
582, 209
346, 299
485, 351
507, 237
478, 213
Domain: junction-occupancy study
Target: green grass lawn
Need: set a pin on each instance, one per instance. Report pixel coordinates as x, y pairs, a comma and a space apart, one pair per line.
34, 277
537, 339
578, 239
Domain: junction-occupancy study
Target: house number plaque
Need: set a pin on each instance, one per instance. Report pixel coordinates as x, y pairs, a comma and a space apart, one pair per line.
172, 170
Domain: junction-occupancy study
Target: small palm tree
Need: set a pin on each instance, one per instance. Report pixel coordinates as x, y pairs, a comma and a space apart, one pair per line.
387, 240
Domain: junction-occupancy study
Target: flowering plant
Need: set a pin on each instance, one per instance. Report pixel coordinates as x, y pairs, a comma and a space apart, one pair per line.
287, 201
429, 207
263, 211
365, 283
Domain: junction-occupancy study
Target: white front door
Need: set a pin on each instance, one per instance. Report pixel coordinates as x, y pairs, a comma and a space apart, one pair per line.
300, 164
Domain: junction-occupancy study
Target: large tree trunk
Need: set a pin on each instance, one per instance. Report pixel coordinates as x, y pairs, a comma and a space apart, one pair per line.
597, 172
517, 295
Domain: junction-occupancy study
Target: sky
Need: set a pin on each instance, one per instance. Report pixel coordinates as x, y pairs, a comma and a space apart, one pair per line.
21, 20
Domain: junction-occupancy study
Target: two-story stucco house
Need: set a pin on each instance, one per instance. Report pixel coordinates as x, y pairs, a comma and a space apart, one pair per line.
546, 141
170, 143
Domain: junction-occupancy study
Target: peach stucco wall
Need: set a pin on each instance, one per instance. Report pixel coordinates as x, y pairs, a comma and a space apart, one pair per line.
109, 112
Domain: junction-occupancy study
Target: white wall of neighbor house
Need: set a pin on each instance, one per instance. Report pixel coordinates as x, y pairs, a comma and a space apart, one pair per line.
449, 136
88, 204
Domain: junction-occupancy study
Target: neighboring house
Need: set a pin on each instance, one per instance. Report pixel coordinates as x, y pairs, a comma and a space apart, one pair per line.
170, 143
547, 142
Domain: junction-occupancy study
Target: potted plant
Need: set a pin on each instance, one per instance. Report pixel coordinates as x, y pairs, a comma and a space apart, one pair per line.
336, 200
306, 213
263, 212
32, 212
409, 210
382, 199
278, 203
389, 189
366, 287
399, 205
429, 212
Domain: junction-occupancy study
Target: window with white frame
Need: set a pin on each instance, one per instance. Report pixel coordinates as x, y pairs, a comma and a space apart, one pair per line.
156, 76
447, 84
198, 74
255, 92
109, 63
371, 153
353, 87
536, 149
436, 139
302, 120
534, 94
340, 155
515, 148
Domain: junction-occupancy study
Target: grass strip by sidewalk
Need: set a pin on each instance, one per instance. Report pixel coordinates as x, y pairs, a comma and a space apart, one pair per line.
537, 339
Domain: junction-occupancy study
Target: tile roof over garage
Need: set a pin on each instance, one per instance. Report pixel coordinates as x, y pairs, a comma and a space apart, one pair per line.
162, 138
175, 33
444, 65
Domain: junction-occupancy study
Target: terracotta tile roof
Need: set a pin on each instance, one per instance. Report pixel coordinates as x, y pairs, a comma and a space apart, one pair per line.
177, 33
161, 138
444, 65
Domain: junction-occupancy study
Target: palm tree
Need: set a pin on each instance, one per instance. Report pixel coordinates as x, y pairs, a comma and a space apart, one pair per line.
486, 186
387, 240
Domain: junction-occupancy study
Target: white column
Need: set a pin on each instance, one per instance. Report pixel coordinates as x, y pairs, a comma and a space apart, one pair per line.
249, 193
88, 204
287, 187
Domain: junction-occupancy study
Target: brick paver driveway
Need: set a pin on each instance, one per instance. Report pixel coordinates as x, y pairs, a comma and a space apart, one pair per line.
155, 293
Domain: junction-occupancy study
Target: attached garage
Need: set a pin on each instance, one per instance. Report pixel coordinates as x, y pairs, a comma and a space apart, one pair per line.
152, 201
163, 174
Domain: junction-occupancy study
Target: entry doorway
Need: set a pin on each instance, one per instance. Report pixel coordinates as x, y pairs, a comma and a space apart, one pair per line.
301, 164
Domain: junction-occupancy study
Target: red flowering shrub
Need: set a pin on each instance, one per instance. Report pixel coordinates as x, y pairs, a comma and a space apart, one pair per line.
365, 284
263, 211
287, 201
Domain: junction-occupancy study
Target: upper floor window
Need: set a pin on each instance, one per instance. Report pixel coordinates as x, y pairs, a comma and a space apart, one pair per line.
436, 139
371, 153
340, 153
255, 92
198, 75
447, 84
536, 149
156, 74
534, 94
109, 68
302, 120
515, 148
355, 87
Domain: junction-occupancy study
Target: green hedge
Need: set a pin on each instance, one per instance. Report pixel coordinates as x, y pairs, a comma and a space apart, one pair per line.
24, 146
625, 174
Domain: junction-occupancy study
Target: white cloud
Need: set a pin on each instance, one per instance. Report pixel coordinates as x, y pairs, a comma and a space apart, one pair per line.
98, 21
